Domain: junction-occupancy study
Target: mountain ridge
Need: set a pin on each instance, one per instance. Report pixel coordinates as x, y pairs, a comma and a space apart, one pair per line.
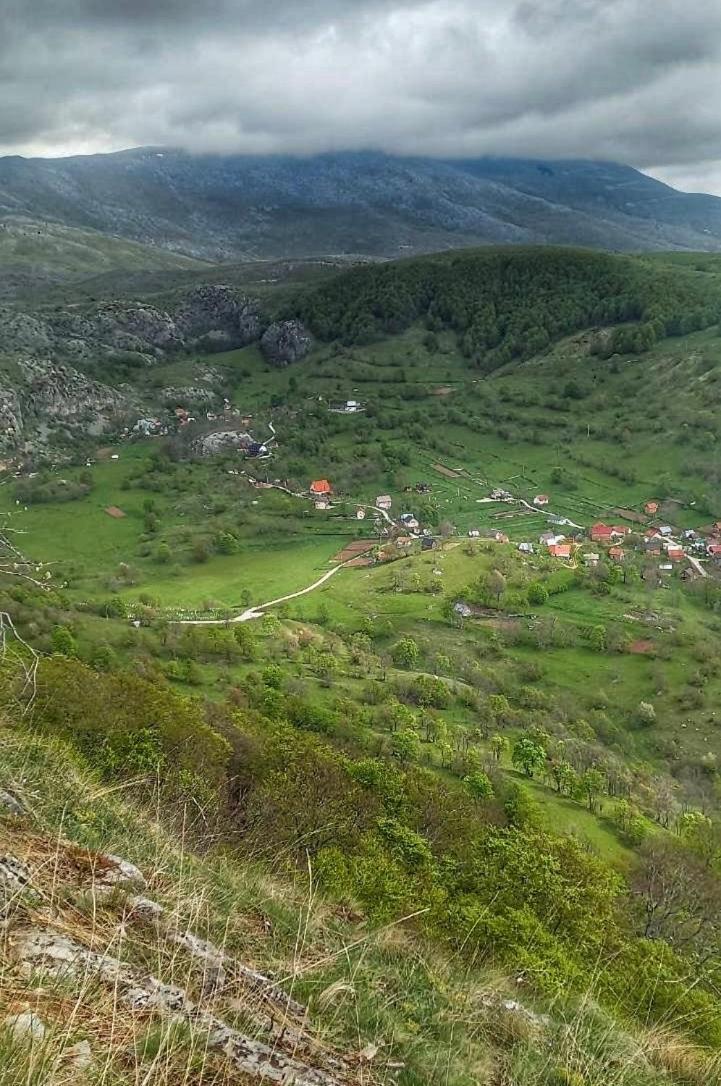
236, 207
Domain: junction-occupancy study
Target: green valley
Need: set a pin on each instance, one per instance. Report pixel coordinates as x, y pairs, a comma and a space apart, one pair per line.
461, 799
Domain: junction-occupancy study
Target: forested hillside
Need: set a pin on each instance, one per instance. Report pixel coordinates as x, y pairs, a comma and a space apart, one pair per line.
511, 303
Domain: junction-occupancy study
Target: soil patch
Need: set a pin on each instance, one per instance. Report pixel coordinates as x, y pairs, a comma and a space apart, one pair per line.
354, 550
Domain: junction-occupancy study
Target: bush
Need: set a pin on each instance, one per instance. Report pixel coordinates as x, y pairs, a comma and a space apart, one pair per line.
537, 594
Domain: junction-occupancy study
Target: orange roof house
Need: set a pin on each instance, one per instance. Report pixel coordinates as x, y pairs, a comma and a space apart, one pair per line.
320, 486
617, 554
651, 508
560, 550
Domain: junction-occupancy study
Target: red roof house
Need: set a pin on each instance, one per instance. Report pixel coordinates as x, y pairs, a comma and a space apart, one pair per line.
675, 553
601, 533
651, 508
714, 550
617, 554
560, 550
320, 486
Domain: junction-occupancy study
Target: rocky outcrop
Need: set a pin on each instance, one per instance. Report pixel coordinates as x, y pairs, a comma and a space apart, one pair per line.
94, 965
52, 395
213, 317
220, 441
220, 315
285, 342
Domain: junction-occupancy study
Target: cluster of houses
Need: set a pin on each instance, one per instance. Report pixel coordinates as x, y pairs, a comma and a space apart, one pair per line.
656, 541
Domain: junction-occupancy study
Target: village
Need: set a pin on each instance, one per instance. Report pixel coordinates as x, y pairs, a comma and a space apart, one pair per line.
661, 549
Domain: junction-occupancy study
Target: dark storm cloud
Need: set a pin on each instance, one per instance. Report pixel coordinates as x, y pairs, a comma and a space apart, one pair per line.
634, 80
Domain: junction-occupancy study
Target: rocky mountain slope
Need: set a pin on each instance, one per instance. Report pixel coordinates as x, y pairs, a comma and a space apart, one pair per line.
241, 207
72, 371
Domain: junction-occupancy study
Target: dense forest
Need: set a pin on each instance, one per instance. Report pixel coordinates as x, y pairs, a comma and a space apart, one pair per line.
512, 303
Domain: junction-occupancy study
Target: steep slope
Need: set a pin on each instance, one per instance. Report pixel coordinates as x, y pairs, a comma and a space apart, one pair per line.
233, 207
37, 254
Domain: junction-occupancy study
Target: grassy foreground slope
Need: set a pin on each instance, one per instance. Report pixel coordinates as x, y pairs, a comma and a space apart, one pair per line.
383, 1006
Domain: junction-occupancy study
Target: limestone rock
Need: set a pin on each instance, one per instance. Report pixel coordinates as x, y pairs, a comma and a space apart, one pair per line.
79, 1056
10, 804
222, 315
26, 1027
285, 342
115, 871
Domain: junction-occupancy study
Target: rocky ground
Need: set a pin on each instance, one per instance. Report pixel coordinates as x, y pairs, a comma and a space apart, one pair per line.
91, 959
57, 381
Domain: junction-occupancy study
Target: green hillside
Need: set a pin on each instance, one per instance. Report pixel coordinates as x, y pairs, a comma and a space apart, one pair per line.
37, 255
459, 800
505, 304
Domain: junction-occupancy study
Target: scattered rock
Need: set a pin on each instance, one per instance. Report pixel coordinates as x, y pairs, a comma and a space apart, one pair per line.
11, 804
43, 949
79, 1056
26, 1027
145, 908
115, 871
285, 342
211, 958
14, 879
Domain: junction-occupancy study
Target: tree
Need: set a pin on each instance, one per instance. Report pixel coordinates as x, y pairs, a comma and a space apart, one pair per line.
163, 553
405, 745
528, 755
405, 652
679, 898
478, 784
499, 746
593, 785
564, 777
537, 594
103, 656
226, 543
496, 584
245, 640
63, 642
201, 550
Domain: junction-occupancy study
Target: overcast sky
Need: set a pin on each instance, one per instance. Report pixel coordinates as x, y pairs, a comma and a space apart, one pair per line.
634, 80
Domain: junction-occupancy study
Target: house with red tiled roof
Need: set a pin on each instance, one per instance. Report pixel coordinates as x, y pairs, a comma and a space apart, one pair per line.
601, 533
560, 550
541, 499
714, 550
675, 553
320, 486
617, 554
651, 508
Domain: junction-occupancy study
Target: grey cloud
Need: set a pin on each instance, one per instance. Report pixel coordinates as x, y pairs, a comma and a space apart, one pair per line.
628, 79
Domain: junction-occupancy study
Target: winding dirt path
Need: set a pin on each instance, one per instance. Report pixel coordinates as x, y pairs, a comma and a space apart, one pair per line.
260, 608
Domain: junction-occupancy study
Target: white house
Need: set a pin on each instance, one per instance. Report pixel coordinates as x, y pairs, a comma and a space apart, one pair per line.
384, 501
